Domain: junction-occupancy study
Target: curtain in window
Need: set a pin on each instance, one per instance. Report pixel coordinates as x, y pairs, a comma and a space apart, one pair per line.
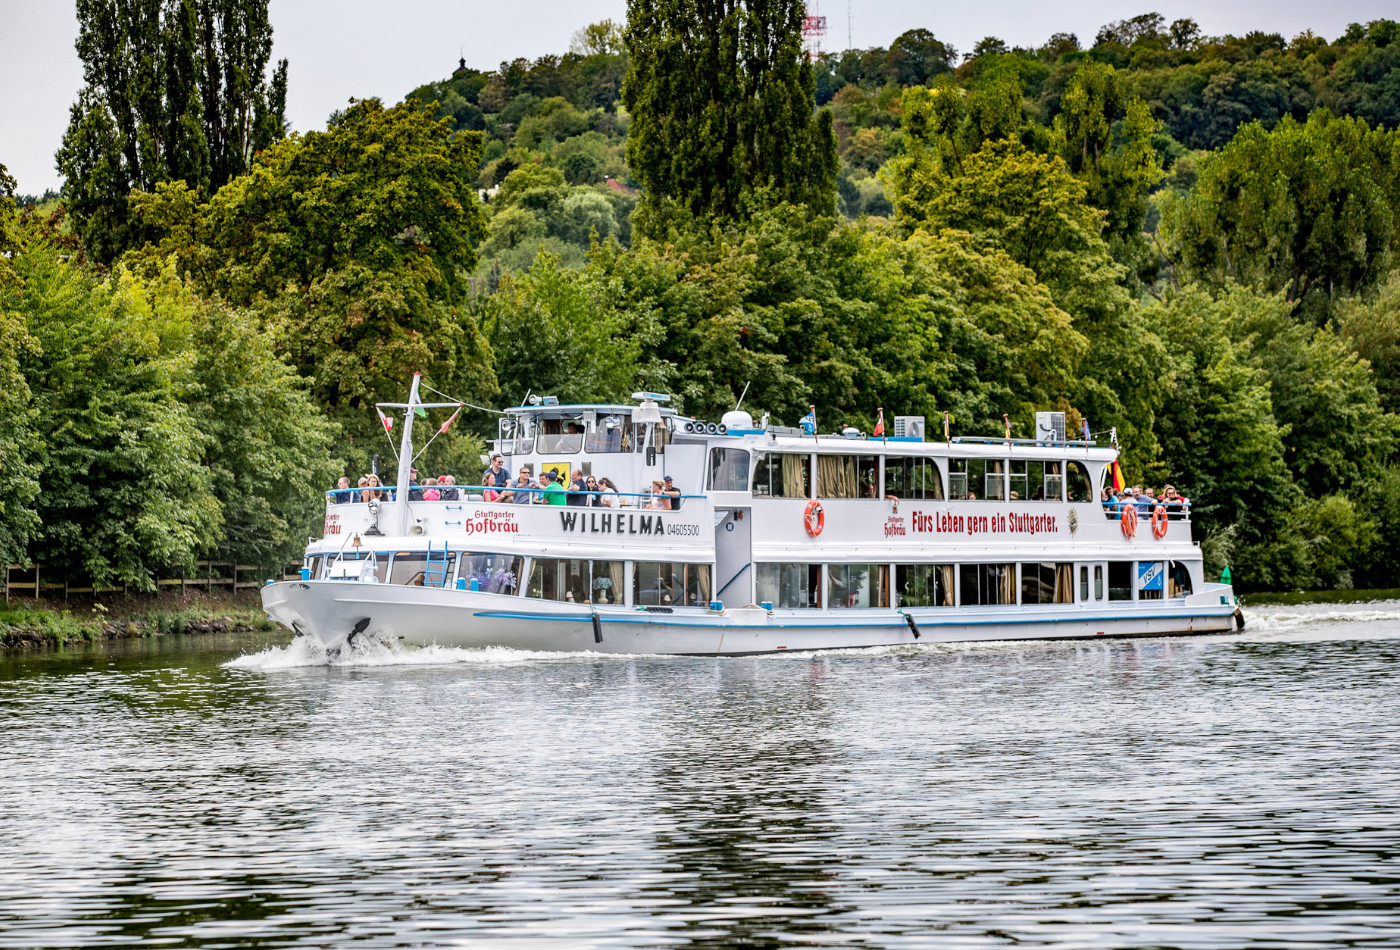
945, 572
793, 483
836, 476
1064, 583
1006, 584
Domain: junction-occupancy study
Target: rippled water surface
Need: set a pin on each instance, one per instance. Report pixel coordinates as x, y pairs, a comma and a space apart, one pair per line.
1213, 792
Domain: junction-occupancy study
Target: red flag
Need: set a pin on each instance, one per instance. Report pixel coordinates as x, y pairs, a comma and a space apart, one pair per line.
880, 425
388, 423
450, 421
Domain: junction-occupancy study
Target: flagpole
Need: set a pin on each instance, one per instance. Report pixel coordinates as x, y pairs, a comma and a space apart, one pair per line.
813, 411
406, 457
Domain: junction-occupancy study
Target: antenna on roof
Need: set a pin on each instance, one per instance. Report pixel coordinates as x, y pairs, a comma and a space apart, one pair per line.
743, 394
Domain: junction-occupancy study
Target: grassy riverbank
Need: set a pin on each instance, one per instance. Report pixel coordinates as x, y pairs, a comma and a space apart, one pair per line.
27, 624
1321, 596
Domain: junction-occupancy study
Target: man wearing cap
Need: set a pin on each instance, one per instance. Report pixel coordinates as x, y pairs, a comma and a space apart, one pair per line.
673, 493
496, 476
415, 493
553, 491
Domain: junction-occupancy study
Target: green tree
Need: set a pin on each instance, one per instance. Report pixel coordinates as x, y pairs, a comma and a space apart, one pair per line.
355, 244
19, 443
722, 98
176, 90
1308, 209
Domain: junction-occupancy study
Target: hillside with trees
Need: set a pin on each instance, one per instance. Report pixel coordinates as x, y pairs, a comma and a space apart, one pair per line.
1188, 239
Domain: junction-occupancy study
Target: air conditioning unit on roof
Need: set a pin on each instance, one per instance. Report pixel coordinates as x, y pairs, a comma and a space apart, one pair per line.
1050, 427
909, 427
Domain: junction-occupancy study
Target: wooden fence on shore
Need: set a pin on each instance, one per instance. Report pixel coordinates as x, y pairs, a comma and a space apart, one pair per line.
34, 580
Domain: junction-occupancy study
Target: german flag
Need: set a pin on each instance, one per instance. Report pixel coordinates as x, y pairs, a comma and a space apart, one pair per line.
1119, 482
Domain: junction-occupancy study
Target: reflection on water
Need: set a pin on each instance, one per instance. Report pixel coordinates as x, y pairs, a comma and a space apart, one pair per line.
1211, 792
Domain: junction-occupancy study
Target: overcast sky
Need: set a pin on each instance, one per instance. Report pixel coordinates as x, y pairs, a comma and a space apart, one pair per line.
364, 48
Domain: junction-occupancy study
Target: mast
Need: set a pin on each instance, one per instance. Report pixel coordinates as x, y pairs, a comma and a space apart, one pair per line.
406, 459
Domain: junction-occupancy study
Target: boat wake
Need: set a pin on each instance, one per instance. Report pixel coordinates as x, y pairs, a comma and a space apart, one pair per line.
1381, 617
304, 652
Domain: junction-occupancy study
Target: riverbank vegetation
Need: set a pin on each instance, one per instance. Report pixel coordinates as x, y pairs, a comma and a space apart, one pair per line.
1187, 239
56, 623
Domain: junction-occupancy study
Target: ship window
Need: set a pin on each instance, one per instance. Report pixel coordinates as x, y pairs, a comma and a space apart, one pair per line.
516, 436
381, 563
789, 585
560, 436
1120, 580
847, 476
977, 479
1083, 585
1178, 579
660, 436
858, 585
782, 475
609, 433
913, 478
987, 584
1098, 582
924, 585
1078, 488
729, 470
408, 568
314, 564
575, 580
493, 573
670, 585
1036, 481
1150, 580
1051, 583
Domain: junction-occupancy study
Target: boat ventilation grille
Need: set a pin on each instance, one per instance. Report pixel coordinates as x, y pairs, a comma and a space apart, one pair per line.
660, 610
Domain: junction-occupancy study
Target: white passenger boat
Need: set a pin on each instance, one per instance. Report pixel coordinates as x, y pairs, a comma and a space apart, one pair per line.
778, 540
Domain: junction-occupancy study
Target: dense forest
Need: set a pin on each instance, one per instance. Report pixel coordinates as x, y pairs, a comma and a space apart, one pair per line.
1189, 239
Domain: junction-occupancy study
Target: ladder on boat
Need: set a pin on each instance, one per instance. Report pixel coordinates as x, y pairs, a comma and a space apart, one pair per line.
435, 571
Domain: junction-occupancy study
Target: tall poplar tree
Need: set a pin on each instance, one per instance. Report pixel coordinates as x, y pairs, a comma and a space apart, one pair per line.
175, 90
723, 104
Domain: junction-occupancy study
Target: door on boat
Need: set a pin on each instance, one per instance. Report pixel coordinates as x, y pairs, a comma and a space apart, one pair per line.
733, 554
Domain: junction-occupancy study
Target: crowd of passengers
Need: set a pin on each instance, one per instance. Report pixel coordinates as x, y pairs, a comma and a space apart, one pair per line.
1145, 500
498, 486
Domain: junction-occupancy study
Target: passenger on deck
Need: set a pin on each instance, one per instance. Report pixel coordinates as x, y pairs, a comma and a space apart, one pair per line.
659, 498
362, 484
343, 492
447, 487
673, 494
1143, 501
488, 487
1111, 505
592, 499
415, 491
609, 497
430, 490
376, 492
554, 493
523, 495
576, 489
1174, 503
496, 476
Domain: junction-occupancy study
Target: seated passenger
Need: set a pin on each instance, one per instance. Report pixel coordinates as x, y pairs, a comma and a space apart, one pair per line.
415, 493
606, 486
363, 483
488, 486
1174, 503
376, 492
343, 492
659, 498
430, 490
522, 493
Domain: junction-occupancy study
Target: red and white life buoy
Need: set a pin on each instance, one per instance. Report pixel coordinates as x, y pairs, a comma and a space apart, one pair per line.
1129, 519
814, 518
1159, 521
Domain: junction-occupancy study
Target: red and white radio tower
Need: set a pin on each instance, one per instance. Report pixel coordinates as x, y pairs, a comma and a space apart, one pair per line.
813, 29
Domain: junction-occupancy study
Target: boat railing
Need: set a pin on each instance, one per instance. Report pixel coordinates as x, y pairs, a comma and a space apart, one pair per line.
539, 496
1181, 512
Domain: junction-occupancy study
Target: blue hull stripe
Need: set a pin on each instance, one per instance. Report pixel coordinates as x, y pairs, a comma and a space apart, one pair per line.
900, 625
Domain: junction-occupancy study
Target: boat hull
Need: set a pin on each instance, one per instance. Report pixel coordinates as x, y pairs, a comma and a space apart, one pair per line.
329, 611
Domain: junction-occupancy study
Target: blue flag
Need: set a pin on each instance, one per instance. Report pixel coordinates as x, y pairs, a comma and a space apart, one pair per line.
809, 421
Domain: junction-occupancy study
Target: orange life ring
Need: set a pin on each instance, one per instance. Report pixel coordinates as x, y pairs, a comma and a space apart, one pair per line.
1128, 516
814, 518
1159, 521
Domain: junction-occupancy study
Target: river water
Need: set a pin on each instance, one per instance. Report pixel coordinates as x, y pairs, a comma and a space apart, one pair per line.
1212, 792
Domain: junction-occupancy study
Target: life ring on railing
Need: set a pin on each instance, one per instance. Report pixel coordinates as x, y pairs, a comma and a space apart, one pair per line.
814, 518
1159, 521
1129, 518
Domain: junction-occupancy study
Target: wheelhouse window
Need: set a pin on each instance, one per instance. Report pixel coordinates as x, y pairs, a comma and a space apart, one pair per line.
380, 563
858, 585
924, 585
492, 573
729, 470
409, 568
575, 580
1120, 580
670, 585
1050, 583
1078, 487
977, 479
563, 436
847, 476
782, 475
987, 584
789, 585
914, 478
608, 433
516, 435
